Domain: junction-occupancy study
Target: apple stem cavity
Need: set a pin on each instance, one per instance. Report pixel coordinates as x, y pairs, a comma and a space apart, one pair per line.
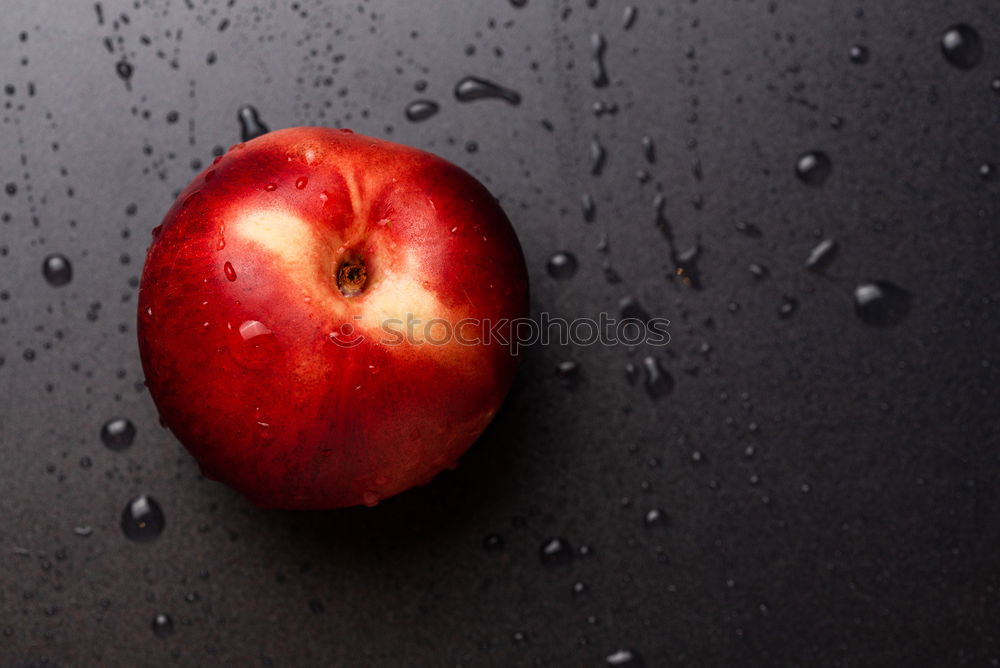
351, 278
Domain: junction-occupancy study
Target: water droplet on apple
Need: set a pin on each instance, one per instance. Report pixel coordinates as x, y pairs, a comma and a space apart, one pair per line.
118, 434
561, 265
301, 182
251, 329
271, 187
470, 89
57, 270
555, 552
142, 519
370, 499
229, 271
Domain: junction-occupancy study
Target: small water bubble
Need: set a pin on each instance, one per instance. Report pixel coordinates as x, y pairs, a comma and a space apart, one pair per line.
568, 370
124, 70
598, 72
813, 168
251, 126
648, 149
987, 171
421, 110
758, 270
654, 517
821, 255
859, 54
598, 155
561, 265
629, 16
118, 434
629, 308
659, 382
57, 270
962, 46
624, 658
588, 207
301, 182
493, 542
556, 552
881, 303
229, 271
142, 520
470, 89
789, 307
162, 625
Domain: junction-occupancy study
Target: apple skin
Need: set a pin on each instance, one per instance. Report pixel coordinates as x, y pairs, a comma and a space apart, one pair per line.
241, 317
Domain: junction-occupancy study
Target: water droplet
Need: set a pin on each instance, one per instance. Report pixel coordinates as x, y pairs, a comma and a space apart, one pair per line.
659, 382
859, 54
629, 308
598, 72
229, 270
251, 126
655, 517
421, 110
624, 658
142, 519
493, 542
822, 255
629, 16
57, 270
987, 171
962, 46
124, 70
301, 182
568, 370
881, 303
118, 434
470, 89
995, 85
251, 329
519, 3
561, 265
813, 168
588, 207
648, 149
598, 155
162, 625
789, 307
758, 270
556, 552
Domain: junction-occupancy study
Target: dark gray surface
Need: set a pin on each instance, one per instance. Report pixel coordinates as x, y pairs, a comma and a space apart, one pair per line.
869, 535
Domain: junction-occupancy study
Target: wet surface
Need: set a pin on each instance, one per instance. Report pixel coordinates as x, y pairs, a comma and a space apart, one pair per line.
805, 475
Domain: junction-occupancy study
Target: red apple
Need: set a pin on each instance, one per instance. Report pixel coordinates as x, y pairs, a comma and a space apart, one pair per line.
273, 311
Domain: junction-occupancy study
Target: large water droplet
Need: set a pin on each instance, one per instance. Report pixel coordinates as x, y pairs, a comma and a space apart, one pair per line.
251, 126
813, 168
57, 270
561, 265
881, 303
556, 552
118, 434
229, 271
470, 89
962, 46
142, 519
421, 110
